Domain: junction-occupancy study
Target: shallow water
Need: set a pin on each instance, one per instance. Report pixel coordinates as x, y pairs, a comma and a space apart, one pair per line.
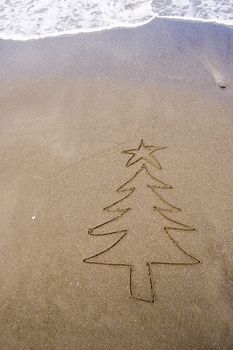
31, 19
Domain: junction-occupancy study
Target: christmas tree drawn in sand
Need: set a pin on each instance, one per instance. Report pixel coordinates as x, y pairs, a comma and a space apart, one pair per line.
143, 226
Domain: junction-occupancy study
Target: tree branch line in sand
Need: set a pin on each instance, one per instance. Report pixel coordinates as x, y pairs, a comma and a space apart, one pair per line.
142, 227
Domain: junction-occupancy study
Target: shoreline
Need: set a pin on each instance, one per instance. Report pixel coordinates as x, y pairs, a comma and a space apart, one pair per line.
202, 43
124, 26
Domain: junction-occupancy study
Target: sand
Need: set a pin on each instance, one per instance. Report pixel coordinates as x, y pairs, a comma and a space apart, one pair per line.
69, 106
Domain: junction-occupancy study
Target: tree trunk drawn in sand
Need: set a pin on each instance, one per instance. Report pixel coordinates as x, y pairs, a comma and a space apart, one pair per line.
142, 224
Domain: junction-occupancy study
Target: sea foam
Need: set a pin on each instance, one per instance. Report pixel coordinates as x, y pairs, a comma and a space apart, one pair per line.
33, 19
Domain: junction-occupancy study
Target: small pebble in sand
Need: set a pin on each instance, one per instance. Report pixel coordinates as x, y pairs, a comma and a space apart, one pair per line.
222, 85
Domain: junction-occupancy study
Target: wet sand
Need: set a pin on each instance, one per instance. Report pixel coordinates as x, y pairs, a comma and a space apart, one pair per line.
69, 106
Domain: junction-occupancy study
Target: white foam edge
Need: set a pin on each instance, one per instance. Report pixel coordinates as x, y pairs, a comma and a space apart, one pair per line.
119, 26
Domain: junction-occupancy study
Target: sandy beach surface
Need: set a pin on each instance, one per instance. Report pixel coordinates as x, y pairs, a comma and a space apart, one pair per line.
69, 107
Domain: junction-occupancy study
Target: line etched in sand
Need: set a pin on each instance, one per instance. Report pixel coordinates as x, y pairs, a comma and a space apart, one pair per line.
146, 237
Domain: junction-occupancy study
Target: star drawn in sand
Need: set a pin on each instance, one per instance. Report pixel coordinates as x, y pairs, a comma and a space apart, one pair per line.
143, 153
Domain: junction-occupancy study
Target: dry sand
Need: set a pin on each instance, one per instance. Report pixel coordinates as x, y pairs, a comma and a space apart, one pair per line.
68, 107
